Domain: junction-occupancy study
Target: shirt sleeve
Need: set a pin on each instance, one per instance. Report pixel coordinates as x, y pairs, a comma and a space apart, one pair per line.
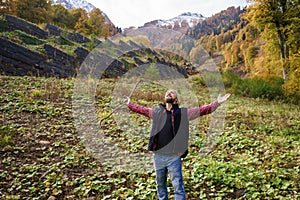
193, 113
148, 112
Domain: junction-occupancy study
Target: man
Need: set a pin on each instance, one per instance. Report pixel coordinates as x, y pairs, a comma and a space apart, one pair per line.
169, 138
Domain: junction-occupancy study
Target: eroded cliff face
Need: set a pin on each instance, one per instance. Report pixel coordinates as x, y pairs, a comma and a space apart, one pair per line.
18, 55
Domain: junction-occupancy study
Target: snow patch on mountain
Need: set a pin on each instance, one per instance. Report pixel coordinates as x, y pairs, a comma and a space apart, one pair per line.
191, 18
185, 19
69, 4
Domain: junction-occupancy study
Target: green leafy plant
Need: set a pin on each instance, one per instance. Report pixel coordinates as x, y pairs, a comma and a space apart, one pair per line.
5, 136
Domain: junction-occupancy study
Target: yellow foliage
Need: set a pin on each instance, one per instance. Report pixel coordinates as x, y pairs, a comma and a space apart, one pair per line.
36, 93
292, 85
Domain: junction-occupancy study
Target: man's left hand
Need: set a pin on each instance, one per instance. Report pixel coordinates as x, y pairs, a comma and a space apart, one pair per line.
222, 99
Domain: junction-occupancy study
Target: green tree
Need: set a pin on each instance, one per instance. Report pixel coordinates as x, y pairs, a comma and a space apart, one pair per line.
280, 16
75, 16
62, 17
35, 11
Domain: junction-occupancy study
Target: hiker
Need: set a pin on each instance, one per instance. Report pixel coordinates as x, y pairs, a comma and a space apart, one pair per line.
169, 138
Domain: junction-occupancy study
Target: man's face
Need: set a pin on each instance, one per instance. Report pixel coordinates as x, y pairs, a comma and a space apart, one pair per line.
170, 96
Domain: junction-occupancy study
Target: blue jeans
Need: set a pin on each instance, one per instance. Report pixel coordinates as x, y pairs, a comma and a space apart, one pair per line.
172, 164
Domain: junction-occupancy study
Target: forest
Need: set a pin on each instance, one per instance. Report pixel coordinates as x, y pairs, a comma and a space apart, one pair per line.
42, 11
259, 43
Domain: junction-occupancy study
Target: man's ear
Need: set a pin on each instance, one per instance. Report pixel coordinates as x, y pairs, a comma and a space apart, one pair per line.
176, 101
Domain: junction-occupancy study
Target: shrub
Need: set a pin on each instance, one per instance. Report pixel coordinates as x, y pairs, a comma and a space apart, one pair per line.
198, 80
270, 88
292, 88
230, 79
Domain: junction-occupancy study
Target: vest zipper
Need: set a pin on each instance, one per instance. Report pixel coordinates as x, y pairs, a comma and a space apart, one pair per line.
173, 127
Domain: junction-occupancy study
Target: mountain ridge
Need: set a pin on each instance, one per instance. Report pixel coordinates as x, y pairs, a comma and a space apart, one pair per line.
179, 23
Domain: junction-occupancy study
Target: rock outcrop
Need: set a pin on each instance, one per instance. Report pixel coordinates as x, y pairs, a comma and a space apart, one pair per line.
20, 61
14, 23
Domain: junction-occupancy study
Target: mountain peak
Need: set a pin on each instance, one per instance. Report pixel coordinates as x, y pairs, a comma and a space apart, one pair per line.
189, 14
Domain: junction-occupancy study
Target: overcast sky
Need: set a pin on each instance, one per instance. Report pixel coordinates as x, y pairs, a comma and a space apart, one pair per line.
126, 13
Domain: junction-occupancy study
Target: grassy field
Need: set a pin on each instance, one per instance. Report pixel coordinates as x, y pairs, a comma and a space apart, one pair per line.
256, 157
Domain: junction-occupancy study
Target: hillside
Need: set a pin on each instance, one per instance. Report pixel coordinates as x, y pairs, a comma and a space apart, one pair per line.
51, 51
220, 22
43, 156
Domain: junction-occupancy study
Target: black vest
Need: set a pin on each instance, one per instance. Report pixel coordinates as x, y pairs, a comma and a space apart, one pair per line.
177, 143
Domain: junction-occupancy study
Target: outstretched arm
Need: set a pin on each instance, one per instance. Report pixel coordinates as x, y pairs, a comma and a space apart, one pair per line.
193, 113
148, 112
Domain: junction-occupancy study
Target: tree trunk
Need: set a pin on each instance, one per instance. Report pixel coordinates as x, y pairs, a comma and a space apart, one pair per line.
283, 52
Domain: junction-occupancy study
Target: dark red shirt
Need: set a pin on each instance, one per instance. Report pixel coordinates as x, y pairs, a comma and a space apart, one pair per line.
192, 113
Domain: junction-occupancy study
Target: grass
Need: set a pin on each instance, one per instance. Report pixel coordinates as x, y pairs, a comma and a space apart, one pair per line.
42, 155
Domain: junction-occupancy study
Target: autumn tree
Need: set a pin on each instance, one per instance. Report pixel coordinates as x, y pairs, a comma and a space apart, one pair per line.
280, 17
35, 11
7, 7
219, 41
211, 45
81, 25
96, 23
